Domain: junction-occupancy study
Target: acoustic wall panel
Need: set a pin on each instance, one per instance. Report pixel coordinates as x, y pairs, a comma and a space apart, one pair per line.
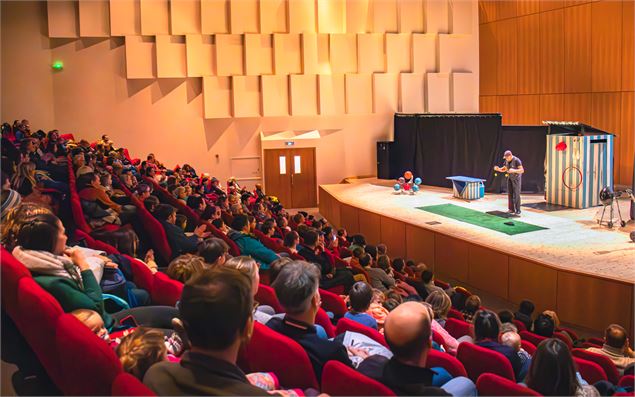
287, 55
462, 16
398, 52
246, 96
62, 18
244, 16
606, 46
385, 16
487, 104
273, 16
358, 16
258, 54
94, 18
304, 101
185, 16
424, 53
385, 93
437, 17
552, 60
507, 79
332, 94
315, 54
552, 107
125, 18
140, 57
214, 16
343, 53
301, 16
275, 95
463, 88
331, 16
577, 107
455, 54
359, 94
507, 105
217, 98
155, 17
370, 48
487, 59
528, 55
627, 137
529, 110
412, 96
411, 16
438, 92
201, 55
229, 54
577, 48
171, 57
628, 46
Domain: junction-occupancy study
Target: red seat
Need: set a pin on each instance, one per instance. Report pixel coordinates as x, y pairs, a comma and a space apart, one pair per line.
141, 274
596, 341
95, 244
478, 360
333, 303
494, 385
611, 371
458, 328
447, 361
528, 346
586, 345
233, 248
571, 333
67, 137
340, 380
290, 362
344, 324
76, 205
564, 338
441, 284
520, 325
453, 313
590, 371
337, 290
165, 291
322, 319
627, 381
127, 385
436, 337
12, 271
267, 296
533, 338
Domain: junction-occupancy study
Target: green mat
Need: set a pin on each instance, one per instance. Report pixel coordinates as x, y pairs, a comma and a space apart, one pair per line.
477, 218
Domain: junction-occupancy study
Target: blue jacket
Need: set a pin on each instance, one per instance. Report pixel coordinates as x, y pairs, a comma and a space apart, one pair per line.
250, 246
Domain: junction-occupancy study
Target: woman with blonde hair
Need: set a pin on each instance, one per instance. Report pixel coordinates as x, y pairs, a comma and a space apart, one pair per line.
440, 303
249, 266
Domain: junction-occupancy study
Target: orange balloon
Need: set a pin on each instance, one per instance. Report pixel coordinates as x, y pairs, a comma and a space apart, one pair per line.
407, 175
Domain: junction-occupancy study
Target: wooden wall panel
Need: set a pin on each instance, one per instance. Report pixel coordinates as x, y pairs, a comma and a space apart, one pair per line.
244, 16
246, 96
577, 107
385, 16
528, 110
229, 54
275, 95
438, 87
616, 305
201, 55
627, 139
507, 76
155, 17
487, 11
343, 53
528, 55
398, 52
370, 50
424, 53
606, 115
437, 16
217, 98
412, 92
411, 16
393, 234
94, 18
332, 94
214, 16
185, 16
370, 226
577, 48
287, 55
506, 10
526, 7
552, 52
628, 45
451, 257
385, 93
551, 107
258, 54
273, 16
303, 90
331, 16
335, 213
488, 270
301, 16
507, 105
359, 94
528, 280
420, 245
487, 104
62, 18
488, 58
125, 18
171, 57
140, 58
606, 44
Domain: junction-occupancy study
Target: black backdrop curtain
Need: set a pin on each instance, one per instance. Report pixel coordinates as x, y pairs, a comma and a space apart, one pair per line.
434, 147
529, 144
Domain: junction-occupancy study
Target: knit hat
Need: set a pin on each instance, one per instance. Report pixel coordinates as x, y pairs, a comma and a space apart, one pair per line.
13, 199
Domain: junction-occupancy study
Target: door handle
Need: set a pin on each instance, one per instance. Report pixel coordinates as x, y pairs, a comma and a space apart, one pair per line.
292, 179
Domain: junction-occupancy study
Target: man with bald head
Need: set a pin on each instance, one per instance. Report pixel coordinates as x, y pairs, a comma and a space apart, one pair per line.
408, 333
616, 347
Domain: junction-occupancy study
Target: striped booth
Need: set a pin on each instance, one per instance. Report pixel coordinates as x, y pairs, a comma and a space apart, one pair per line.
578, 162
467, 188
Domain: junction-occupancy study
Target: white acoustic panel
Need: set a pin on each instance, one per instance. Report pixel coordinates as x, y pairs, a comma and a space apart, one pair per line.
371, 53
275, 95
359, 94
301, 16
214, 16
462, 16
244, 16
273, 16
456, 53
411, 16
412, 92
331, 16
385, 16
229, 54
438, 92
140, 57
62, 18
185, 16
246, 96
424, 53
332, 96
385, 93
358, 16
201, 55
398, 52
343, 53
94, 18
463, 93
258, 54
217, 98
287, 56
304, 100
437, 17
171, 57
315, 54
125, 18
155, 17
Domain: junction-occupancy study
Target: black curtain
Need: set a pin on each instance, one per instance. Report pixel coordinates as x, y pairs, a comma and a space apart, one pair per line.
437, 146
529, 144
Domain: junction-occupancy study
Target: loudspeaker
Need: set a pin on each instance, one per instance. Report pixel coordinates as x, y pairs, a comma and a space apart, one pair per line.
383, 160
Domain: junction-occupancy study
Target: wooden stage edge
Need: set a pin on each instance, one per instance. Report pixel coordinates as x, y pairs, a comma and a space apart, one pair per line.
580, 299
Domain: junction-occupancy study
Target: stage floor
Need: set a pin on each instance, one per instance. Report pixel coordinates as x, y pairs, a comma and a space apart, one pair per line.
573, 241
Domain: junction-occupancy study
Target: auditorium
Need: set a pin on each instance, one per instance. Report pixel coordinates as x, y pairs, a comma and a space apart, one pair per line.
317, 197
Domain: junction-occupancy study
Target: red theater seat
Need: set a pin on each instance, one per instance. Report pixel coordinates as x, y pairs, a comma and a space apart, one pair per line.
590, 371
165, 291
564, 338
627, 381
528, 346
446, 361
127, 385
333, 303
609, 368
520, 325
233, 248
267, 296
322, 319
345, 324
478, 360
453, 313
458, 328
341, 380
494, 385
533, 338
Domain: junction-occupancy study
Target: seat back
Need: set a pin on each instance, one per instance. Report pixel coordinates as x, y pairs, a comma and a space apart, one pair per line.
590, 371
494, 385
340, 380
290, 362
12, 271
520, 325
478, 360
322, 319
533, 338
344, 324
564, 338
447, 361
141, 274
528, 346
192, 217
458, 328
233, 247
453, 313
333, 303
626, 381
267, 296
569, 331
165, 291
127, 385
95, 244
611, 371
76, 205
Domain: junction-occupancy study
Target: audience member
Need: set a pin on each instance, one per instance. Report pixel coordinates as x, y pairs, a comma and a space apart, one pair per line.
141, 349
248, 243
331, 276
486, 333
544, 326
524, 313
512, 339
179, 241
440, 304
380, 278
360, 297
472, 305
213, 251
616, 347
248, 265
506, 316
185, 267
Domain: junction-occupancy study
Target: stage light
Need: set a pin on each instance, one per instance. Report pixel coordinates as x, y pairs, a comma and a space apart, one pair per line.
58, 65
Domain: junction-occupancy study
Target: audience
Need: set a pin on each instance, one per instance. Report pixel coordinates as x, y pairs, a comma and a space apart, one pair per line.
330, 275
248, 243
141, 349
214, 251
360, 297
472, 305
380, 276
544, 326
185, 267
179, 241
524, 313
616, 347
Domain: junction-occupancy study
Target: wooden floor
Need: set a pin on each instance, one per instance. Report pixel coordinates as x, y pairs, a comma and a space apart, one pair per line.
584, 271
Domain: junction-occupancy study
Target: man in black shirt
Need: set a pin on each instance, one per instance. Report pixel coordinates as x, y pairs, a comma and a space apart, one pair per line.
330, 276
514, 169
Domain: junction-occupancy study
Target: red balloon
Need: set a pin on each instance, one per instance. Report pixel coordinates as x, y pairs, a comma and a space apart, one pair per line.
406, 186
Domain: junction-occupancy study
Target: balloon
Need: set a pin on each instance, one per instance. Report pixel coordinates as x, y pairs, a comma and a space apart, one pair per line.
406, 187
415, 188
401, 180
407, 175
417, 181
397, 187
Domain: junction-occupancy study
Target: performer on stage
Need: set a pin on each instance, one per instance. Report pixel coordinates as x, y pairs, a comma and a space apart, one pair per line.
514, 168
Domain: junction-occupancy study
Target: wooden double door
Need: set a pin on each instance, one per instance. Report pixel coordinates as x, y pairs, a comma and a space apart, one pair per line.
290, 175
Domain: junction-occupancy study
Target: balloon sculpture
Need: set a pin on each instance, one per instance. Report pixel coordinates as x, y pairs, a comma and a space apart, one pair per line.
407, 184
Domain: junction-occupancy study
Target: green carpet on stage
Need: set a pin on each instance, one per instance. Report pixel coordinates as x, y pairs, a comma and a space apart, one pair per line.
477, 218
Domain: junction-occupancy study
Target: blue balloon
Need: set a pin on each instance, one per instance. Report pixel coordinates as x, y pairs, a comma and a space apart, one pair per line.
417, 181
397, 187
415, 188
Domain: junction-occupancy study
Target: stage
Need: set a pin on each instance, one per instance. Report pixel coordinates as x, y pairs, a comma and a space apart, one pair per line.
574, 265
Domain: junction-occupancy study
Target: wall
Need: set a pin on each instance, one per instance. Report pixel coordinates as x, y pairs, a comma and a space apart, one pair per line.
199, 80
562, 60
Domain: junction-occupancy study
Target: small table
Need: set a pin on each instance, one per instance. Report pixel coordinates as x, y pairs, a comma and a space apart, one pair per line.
467, 188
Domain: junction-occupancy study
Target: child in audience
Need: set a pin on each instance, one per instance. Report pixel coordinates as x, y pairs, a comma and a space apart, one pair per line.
342, 237
220, 225
93, 321
472, 304
506, 316
360, 297
524, 313
291, 241
544, 326
181, 221
382, 249
512, 339
377, 310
